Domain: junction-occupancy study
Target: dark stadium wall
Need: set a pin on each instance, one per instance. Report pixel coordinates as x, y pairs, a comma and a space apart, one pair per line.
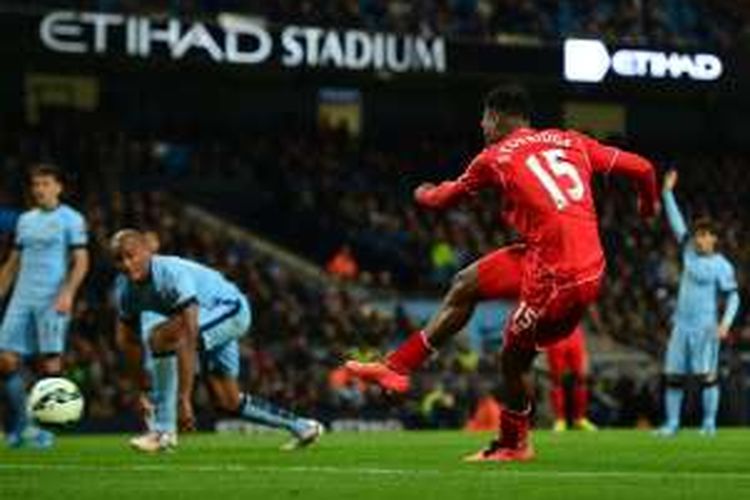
177, 102
190, 95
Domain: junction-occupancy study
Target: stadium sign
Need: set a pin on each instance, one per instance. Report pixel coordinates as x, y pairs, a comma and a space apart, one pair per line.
239, 40
590, 61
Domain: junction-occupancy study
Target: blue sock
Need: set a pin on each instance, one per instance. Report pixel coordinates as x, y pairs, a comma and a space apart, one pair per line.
260, 411
673, 403
148, 362
710, 406
148, 368
15, 393
164, 392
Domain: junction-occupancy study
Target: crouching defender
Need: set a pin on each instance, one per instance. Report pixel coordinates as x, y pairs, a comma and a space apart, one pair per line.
694, 344
202, 312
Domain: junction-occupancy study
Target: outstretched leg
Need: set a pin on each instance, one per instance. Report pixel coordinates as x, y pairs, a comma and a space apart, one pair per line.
229, 400
497, 275
221, 366
454, 312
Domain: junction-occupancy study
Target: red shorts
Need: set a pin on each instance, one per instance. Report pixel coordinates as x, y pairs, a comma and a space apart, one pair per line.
549, 306
568, 355
500, 273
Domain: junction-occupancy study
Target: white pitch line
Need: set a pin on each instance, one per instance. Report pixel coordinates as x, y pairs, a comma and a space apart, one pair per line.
376, 471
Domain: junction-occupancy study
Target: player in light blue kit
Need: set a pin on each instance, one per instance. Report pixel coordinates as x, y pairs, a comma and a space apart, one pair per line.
202, 312
48, 264
707, 276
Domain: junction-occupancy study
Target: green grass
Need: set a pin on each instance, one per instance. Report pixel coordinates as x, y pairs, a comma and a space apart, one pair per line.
385, 466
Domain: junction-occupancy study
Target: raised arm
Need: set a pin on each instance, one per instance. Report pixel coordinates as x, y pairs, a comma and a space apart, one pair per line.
448, 193
674, 216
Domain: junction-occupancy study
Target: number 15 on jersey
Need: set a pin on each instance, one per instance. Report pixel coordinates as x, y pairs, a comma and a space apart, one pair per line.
550, 167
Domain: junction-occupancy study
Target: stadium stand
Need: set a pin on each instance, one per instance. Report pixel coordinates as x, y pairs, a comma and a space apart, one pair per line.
675, 22
306, 326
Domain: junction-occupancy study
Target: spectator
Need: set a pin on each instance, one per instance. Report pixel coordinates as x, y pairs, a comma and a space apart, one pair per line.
486, 416
352, 189
343, 265
439, 408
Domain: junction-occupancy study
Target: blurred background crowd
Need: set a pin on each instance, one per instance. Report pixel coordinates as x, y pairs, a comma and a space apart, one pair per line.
158, 141
675, 22
346, 205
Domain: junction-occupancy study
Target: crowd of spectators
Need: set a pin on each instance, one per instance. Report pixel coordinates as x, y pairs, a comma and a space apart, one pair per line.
338, 193
355, 198
674, 22
301, 330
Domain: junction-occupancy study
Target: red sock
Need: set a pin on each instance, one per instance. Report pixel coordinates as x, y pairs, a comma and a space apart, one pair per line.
557, 400
581, 401
411, 354
514, 428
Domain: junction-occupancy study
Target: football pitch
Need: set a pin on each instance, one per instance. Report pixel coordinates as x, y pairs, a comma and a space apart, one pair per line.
386, 466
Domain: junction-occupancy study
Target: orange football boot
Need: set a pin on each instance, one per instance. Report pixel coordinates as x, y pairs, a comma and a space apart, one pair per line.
380, 374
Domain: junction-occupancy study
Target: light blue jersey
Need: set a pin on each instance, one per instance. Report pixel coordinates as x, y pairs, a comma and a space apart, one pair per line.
175, 283
44, 239
223, 317
705, 280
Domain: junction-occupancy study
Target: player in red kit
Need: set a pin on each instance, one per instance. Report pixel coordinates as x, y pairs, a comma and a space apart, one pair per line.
570, 356
543, 178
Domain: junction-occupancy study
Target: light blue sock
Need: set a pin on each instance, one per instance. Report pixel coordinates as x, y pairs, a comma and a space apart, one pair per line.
147, 362
164, 392
260, 411
673, 403
710, 406
15, 393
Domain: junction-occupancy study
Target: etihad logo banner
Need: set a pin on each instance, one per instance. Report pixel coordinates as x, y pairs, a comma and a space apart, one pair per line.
235, 39
589, 61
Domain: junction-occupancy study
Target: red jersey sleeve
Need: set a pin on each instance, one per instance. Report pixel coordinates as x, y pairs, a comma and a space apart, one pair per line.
448, 193
608, 159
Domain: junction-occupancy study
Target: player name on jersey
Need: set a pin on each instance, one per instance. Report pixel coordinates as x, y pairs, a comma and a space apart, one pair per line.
544, 137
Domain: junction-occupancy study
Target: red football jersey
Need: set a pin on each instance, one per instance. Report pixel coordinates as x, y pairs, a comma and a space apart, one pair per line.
544, 177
